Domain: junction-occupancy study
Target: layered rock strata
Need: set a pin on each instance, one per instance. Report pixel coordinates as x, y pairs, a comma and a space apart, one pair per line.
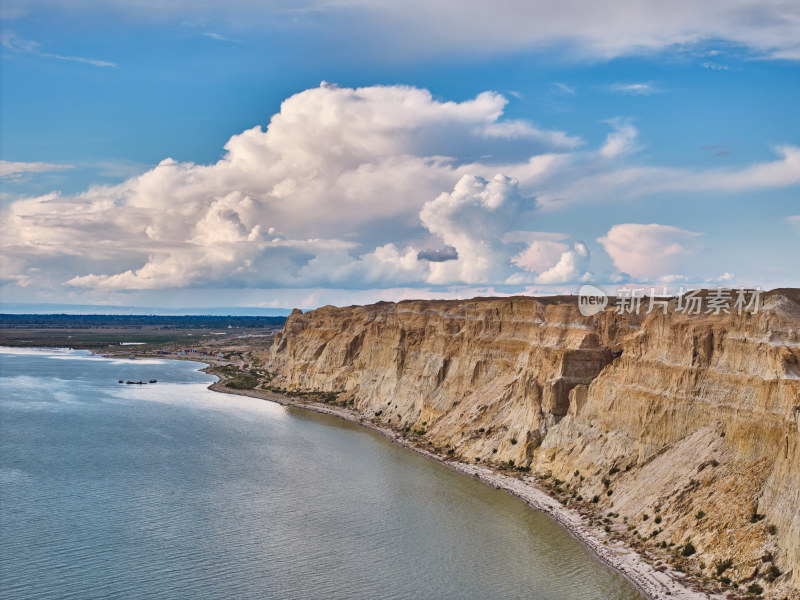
685, 426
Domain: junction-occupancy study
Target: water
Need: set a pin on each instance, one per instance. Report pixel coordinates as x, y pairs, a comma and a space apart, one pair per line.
172, 491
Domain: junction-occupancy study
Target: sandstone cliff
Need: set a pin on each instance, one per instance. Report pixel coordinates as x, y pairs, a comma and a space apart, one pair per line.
685, 427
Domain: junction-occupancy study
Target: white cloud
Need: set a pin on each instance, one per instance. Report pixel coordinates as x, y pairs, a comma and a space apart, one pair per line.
620, 141
419, 28
540, 255
11, 42
555, 261
293, 204
783, 172
524, 130
350, 188
218, 37
571, 266
634, 89
567, 89
649, 251
794, 221
11, 169
717, 66
589, 177
472, 219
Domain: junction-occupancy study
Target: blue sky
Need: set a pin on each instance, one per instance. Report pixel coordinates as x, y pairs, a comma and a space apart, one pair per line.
535, 145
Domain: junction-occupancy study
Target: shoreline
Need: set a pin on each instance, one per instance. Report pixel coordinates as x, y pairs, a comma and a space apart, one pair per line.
654, 583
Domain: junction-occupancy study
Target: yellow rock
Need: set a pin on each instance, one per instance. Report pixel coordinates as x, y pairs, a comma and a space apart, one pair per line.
691, 412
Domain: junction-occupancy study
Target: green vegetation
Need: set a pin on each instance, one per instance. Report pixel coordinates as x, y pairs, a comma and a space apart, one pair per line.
754, 589
700, 514
96, 331
242, 382
57, 321
232, 377
723, 565
773, 573
688, 549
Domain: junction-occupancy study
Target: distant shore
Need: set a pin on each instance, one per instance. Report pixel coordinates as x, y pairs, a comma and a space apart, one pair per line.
654, 583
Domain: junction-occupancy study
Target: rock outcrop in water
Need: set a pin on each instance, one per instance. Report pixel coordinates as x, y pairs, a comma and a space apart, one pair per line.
686, 426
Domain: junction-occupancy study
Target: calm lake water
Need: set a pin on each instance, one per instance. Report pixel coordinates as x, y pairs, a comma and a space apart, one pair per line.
172, 491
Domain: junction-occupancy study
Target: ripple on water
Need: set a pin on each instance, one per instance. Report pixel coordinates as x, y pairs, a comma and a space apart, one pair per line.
173, 491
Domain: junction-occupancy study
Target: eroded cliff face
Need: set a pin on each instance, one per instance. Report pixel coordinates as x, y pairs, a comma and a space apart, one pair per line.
692, 420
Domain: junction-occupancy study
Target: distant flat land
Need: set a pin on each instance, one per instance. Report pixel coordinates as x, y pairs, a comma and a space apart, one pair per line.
134, 333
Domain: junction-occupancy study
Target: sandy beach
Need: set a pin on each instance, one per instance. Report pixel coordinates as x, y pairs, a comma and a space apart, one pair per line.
654, 582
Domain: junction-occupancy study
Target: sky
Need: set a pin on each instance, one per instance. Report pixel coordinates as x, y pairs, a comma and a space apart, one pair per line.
280, 154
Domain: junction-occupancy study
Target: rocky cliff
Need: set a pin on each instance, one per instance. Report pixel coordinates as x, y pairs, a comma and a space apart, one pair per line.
684, 429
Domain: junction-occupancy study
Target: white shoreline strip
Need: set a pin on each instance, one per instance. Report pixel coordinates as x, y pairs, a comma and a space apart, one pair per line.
651, 582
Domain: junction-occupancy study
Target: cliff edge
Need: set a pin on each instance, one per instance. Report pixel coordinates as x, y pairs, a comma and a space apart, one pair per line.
681, 431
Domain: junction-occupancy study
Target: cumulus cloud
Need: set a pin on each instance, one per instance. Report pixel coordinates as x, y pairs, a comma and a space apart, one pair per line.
540, 255
649, 251
472, 219
556, 262
293, 203
355, 187
571, 266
